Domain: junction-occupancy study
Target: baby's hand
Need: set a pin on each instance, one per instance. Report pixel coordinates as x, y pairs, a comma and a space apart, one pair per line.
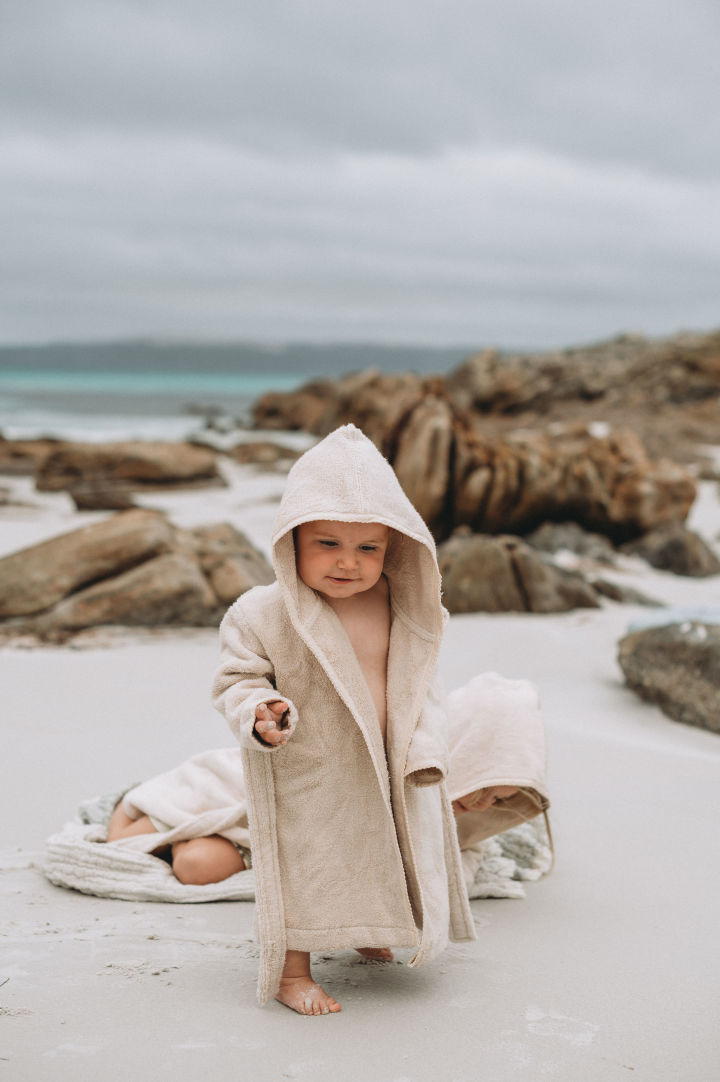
271, 722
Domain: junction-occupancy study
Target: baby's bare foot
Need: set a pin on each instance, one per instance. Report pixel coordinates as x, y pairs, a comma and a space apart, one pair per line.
303, 995
376, 954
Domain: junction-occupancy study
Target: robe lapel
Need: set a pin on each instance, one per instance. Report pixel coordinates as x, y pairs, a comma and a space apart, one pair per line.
326, 638
412, 659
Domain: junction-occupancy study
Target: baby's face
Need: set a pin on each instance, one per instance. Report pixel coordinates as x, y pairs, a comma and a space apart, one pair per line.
341, 559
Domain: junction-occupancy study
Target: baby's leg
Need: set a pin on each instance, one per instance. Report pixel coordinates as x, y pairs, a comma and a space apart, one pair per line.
122, 826
206, 860
299, 991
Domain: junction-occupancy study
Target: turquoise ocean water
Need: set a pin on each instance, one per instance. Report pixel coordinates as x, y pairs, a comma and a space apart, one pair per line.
155, 390
103, 405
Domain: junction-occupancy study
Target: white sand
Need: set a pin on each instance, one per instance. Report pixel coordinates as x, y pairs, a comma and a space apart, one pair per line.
608, 970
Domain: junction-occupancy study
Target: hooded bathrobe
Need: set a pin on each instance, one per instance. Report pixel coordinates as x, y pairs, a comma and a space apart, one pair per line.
353, 842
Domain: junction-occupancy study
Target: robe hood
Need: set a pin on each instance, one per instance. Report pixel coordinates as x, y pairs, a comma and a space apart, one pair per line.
496, 736
344, 478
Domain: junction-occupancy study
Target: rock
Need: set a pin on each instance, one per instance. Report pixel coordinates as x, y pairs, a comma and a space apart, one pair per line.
228, 559
24, 457
554, 537
677, 667
673, 547
99, 496
37, 577
422, 460
629, 368
626, 595
503, 574
134, 569
263, 453
373, 401
607, 484
137, 463
167, 590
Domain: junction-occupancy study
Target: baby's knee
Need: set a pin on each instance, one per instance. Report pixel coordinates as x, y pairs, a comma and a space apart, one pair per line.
190, 864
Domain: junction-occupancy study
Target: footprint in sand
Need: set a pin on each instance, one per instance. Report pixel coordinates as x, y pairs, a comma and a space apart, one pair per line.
552, 1024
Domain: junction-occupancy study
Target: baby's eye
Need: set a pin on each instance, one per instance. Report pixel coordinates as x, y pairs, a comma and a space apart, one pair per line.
328, 544
368, 548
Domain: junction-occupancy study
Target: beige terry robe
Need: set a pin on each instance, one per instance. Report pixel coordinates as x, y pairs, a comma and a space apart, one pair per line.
353, 843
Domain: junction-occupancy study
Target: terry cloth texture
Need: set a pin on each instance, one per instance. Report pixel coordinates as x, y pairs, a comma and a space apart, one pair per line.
353, 842
496, 736
78, 859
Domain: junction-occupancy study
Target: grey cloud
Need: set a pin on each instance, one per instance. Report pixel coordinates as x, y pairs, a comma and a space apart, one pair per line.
617, 81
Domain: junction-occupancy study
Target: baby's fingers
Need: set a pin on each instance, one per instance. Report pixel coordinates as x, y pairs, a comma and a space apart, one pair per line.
267, 726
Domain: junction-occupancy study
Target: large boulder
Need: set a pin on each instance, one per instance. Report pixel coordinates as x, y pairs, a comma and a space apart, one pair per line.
230, 562
133, 569
677, 667
24, 456
457, 474
503, 574
139, 463
605, 483
629, 368
373, 401
554, 537
423, 461
673, 547
167, 590
36, 578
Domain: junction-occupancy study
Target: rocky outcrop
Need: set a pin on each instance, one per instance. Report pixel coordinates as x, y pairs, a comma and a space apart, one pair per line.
101, 496
263, 453
139, 464
24, 457
38, 577
672, 547
373, 401
554, 537
630, 368
677, 667
455, 474
503, 574
607, 484
134, 569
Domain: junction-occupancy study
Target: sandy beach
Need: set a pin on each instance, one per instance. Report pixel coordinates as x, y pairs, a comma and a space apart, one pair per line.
609, 969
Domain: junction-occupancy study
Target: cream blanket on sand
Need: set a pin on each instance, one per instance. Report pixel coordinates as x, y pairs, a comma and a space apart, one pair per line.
496, 736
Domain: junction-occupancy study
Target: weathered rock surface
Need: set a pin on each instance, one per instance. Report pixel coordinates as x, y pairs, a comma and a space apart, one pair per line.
554, 537
24, 456
167, 590
456, 475
230, 562
503, 574
673, 547
685, 368
36, 578
371, 400
626, 595
99, 496
133, 569
136, 463
677, 667
263, 453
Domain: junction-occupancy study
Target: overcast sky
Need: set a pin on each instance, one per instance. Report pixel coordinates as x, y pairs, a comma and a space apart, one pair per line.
522, 173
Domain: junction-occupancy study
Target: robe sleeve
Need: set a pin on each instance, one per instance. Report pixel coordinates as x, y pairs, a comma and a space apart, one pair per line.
246, 678
427, 760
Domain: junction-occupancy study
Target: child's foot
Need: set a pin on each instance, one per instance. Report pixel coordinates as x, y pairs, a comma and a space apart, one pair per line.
376, 954
303, 995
